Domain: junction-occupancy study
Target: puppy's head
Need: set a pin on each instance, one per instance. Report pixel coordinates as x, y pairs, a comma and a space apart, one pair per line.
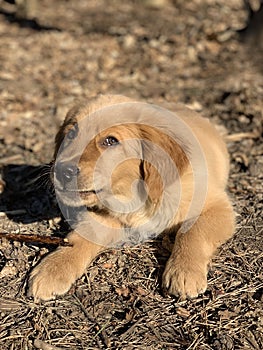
120, 169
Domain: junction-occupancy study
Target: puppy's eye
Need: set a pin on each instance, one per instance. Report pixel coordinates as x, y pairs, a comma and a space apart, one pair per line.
110, 141
73, 132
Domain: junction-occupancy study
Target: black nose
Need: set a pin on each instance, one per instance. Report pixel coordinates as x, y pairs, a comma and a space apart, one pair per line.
65, 172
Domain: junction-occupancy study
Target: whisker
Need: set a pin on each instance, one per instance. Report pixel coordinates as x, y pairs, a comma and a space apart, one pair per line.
43, 177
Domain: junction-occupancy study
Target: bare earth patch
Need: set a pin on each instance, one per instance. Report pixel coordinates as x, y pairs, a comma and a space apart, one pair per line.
181, 51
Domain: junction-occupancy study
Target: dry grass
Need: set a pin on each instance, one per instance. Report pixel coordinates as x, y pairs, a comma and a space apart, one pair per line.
187, 52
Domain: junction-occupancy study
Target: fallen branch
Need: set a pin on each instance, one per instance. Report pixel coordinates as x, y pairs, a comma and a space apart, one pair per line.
241, 135
31, 238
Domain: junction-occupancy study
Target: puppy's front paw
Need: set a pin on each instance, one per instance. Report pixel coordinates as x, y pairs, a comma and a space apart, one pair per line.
181, 278
53, 276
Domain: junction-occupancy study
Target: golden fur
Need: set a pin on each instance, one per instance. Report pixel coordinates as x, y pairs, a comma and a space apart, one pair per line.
186, 270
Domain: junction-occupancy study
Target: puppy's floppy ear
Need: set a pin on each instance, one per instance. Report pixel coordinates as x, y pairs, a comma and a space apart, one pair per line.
153, 181
163, 162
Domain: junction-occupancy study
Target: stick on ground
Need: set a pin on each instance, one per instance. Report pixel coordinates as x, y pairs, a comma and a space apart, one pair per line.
29, 238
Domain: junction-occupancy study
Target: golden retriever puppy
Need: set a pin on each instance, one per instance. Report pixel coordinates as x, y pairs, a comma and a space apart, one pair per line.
126, 171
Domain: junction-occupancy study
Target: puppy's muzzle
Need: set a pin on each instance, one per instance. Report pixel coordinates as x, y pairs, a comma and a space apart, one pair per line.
65, 172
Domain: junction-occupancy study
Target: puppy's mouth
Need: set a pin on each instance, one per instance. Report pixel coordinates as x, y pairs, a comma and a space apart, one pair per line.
75, 197
81, 192
78, 190
88, 192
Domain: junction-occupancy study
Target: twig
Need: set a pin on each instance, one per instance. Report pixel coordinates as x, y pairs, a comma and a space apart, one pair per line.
40, 344
100, 330
15, 212
241, 135
31, 238
10, 159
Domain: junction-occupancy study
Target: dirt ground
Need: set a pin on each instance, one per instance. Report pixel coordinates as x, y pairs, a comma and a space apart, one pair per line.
181, 51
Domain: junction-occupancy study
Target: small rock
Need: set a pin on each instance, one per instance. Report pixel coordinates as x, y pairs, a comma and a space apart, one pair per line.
129, 42
8, 270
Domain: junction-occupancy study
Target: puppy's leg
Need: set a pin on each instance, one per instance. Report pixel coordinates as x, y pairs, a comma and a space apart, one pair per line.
186, 270
55, 274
